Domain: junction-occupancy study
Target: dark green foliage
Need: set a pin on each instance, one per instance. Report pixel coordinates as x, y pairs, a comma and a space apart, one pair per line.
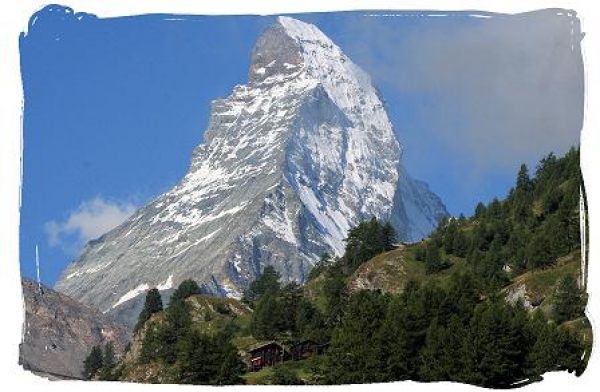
570, 302
365, 241
535, 225
203, 359
460, 244
432, 366
310, 323
282, 375
432, 334
275, 313
161, 339
267, 282
463, 331
324, 262
420, 253
404, 332
186, 289
150, 345
93, 363
101, 363
177, 324
450, 234
480, 210
433, 260
334, 290
492, 355
462, 296
108, 363
553, 349
356, 354
388, 234
265, 317
152, 305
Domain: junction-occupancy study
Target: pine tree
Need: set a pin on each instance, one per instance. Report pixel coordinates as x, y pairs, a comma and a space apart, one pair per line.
480, 210
203, 359
309, 321
492, 355
334, 291
431, 356
356, 353
433, 261
150, 344
186, 289
405, 331
177, 324
450, 236
388, 236
108, 362
543, 356
523, 181
93, 363
569, 303
266, 316
152, 305
267, 282
460, 245
453, 340
364, 242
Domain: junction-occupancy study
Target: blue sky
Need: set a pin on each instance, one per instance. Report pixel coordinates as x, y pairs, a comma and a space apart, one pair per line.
114, 107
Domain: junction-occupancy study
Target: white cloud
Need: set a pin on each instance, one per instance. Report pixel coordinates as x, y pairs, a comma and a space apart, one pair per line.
494, 92
90, 220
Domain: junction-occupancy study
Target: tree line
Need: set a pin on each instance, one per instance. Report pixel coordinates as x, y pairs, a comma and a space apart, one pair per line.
429, 333
462, 331
532, 228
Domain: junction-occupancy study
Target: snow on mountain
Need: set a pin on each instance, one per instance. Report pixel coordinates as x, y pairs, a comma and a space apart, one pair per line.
289, 163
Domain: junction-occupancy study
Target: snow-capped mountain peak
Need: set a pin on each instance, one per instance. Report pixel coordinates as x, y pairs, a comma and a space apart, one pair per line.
289, 163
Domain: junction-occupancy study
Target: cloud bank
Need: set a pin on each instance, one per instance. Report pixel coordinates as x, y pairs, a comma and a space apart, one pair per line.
90, 220
496, 90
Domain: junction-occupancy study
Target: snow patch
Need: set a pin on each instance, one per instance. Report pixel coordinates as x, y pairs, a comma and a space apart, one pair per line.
132, 294
168, 284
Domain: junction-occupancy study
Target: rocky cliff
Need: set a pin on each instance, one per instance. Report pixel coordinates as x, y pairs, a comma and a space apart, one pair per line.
59, 332
289, 163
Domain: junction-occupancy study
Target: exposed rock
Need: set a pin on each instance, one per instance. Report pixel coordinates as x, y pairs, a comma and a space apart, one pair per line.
59, 332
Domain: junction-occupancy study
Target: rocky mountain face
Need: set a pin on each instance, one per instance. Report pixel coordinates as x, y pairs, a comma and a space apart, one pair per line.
59, 332
289, 163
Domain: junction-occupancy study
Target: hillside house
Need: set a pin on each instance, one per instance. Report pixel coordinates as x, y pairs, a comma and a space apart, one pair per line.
272, 353
268, 354
304, 349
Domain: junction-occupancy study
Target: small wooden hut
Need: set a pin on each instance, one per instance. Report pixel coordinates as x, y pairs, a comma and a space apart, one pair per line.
267, 354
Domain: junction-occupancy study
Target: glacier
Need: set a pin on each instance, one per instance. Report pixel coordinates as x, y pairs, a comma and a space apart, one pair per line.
289, 163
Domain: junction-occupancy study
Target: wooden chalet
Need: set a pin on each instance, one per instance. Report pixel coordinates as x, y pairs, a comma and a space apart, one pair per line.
268, 354
272, 353
304, 349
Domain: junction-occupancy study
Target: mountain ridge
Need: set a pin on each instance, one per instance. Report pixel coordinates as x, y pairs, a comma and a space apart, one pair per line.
289, 163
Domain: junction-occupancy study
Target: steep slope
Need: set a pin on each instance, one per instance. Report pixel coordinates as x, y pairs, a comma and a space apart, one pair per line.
59, 332
288, 164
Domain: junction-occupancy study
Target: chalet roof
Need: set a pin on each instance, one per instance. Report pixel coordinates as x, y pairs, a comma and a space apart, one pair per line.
286, 347
264, 345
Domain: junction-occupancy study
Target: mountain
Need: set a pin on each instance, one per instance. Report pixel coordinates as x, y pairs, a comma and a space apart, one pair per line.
59, 332
289, 163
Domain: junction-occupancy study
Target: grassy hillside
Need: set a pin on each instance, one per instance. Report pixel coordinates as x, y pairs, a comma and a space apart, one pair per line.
386, 312
390, 271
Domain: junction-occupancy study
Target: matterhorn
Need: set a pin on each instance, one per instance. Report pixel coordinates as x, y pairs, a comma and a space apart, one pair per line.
289, 163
